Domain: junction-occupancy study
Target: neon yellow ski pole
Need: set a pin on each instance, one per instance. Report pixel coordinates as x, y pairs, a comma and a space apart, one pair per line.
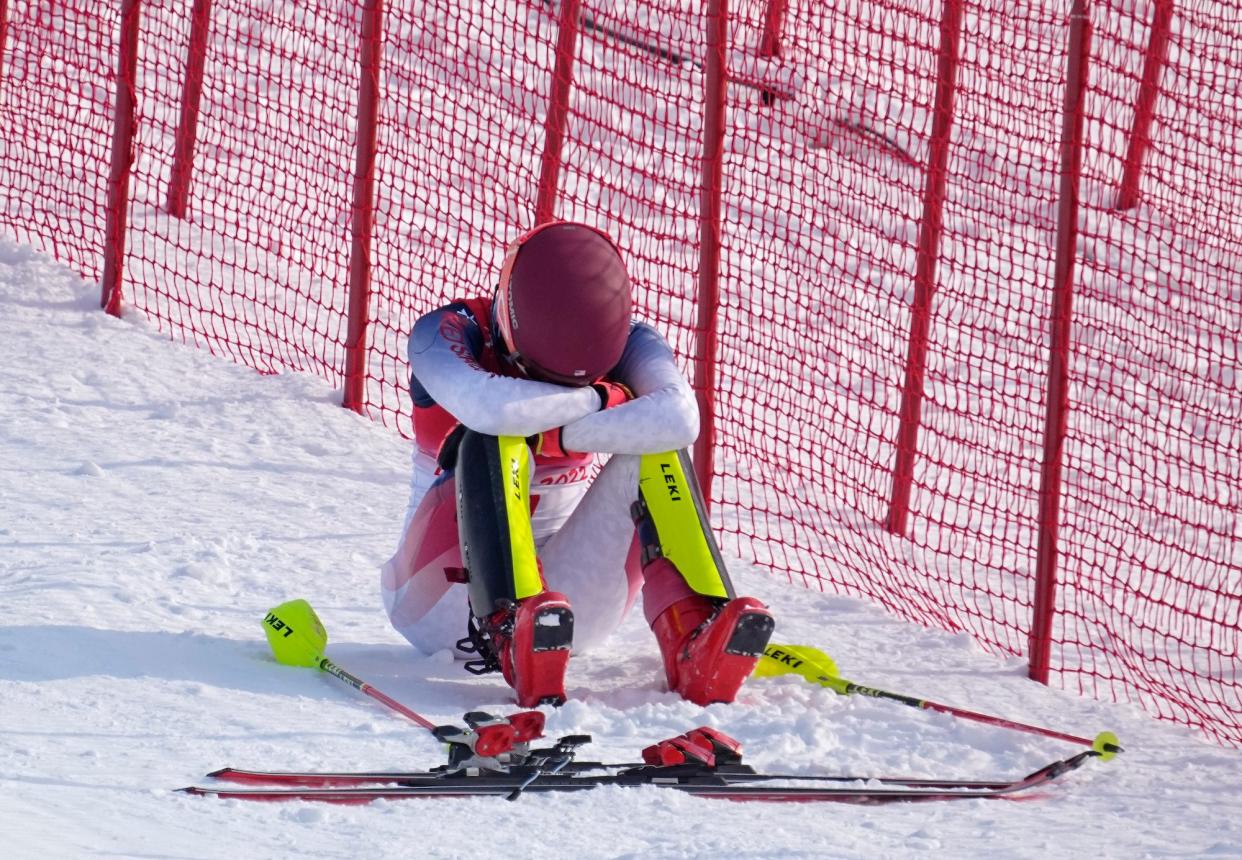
298, 638
818, 668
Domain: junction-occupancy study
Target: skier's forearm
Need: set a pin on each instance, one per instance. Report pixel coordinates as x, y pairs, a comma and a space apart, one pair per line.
483, 401
664, 415
498, 406
663, 420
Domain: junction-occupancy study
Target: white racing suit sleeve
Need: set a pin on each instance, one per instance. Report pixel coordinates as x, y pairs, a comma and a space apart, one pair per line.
663, 416
443, 363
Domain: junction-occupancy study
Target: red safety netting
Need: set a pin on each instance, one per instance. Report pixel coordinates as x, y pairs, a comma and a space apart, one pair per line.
457, 169
827, 198
840, 173
818, 309
462, 135
56, 63
1151, 541
255, 267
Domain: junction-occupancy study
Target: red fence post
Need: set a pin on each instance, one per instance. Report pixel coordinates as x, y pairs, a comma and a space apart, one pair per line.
925, 268
4, 32
191, 96
558, 110
1058, 354
715, 104
770, 42
369, 58
123, 126
1145, 104
773, 28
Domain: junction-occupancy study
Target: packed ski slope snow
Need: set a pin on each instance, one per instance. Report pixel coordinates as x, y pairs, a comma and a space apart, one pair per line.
155, 501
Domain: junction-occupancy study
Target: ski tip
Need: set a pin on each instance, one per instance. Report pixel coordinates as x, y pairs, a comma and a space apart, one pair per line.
194, 790
222, 772
1107, 746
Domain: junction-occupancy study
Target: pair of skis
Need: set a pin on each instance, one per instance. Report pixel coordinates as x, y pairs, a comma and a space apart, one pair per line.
702, 763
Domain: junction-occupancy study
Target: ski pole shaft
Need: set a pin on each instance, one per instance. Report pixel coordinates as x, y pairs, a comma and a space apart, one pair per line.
363, 687
858, 689
487, 735
818, 668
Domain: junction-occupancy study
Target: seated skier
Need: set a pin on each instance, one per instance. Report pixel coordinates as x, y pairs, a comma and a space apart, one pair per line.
513, 531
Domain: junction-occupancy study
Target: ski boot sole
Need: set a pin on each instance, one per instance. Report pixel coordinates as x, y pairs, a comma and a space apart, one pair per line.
751, 634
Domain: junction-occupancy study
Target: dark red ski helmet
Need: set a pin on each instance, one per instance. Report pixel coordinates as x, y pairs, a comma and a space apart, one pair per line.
563, 303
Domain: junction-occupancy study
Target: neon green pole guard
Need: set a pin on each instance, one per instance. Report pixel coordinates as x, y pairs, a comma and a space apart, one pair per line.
296, 634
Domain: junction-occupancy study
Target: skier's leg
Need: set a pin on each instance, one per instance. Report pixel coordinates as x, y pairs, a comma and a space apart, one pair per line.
709, 637
589, 558
423, 605
518, 625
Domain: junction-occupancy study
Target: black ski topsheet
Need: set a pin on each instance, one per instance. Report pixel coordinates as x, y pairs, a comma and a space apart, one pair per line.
716, 783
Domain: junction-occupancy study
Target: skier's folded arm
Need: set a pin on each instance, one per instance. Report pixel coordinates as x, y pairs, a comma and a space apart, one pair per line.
662, 420
663, 416
495, 405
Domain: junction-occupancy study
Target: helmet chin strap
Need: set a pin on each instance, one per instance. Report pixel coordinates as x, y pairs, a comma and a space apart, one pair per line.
509, 355
495, 338
492, 333
506, 353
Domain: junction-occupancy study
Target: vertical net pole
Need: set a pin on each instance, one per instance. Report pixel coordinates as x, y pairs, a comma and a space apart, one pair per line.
925, 271
191, 97
1057, 404
123, 126
558, 110
4, 33
361, 225
770, 42
1145, 105
714, 109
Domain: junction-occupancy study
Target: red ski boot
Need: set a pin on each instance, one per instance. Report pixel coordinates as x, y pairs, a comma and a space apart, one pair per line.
532, 643
711, 646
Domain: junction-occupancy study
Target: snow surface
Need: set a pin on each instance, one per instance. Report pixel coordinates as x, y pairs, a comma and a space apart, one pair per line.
156, 501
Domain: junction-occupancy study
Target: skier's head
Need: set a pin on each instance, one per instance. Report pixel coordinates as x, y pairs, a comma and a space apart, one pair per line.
563, 304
